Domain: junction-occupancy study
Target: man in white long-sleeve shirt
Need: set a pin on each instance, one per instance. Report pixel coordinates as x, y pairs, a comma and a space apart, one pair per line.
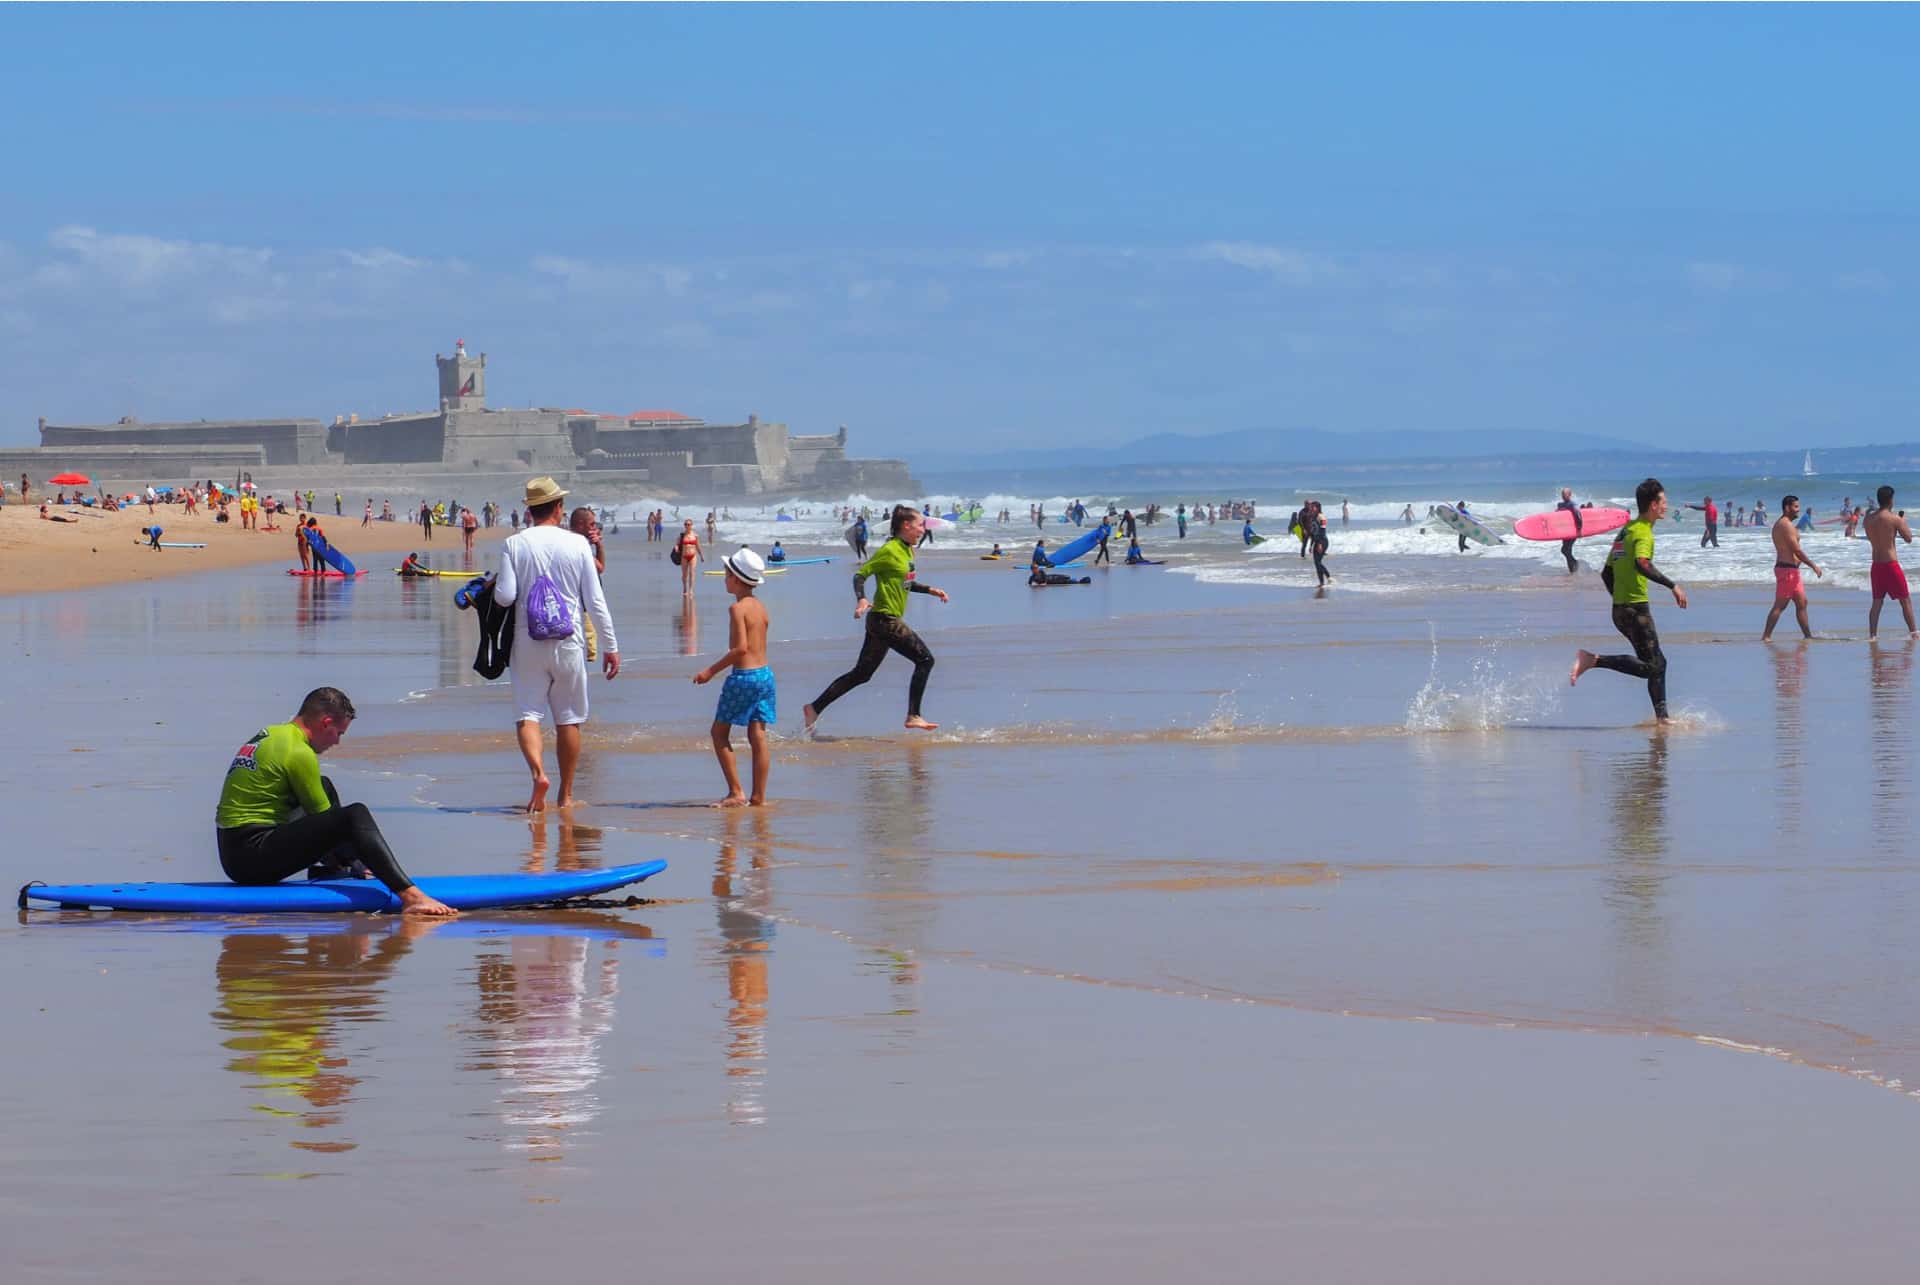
550, 675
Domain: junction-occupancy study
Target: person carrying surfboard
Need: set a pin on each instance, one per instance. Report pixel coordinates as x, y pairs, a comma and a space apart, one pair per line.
891, 566
1628, 571
278, 772
1567, 505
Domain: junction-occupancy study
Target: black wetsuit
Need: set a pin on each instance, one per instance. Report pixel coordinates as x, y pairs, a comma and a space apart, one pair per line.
1566, 546
1313, 535
1634, 620
325, 844
884, 634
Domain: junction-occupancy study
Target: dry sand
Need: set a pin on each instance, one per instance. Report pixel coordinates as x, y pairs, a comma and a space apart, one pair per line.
107, 548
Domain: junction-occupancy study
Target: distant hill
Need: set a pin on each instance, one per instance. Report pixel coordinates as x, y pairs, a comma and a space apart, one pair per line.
1282, 446
1332, 458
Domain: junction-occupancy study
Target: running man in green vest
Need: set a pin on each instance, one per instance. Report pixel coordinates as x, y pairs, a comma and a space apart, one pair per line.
1628, 571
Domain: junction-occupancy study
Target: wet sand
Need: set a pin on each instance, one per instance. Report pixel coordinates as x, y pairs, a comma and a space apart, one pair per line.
1219, 930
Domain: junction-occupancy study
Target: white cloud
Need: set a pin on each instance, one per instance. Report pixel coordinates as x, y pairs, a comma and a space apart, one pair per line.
1719, 276
1296, 267
381, 259
135, 260
1866, 280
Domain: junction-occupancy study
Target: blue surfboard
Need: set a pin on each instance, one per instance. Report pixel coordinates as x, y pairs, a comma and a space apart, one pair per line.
332, 556
798, 562
326, 896
1080, 547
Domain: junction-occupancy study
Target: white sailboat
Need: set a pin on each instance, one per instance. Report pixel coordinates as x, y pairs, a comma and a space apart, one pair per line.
1807, 469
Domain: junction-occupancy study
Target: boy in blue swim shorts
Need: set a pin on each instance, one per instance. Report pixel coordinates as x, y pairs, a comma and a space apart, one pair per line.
747, 699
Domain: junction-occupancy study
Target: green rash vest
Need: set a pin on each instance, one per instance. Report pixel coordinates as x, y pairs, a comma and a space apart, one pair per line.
269, 775
892, 567
1634, 543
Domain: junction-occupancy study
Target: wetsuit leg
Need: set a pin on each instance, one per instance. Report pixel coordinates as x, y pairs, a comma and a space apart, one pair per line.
1463, 544
266, 854
901, 638
872, 652
1635, 623
1320, 561
1566, 551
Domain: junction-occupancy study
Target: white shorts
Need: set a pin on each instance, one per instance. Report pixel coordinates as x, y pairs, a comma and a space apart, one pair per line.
549, 677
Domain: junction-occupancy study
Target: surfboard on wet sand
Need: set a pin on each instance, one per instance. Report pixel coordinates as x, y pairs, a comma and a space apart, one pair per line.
324, 896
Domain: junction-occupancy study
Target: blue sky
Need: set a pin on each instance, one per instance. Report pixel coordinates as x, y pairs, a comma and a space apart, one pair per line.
954, 226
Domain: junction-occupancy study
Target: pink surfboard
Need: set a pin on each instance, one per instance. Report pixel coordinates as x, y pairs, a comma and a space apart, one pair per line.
1558, 525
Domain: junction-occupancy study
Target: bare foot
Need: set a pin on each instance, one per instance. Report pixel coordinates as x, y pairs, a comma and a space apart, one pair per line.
415, 902
918, 724
538, 803
731, 801
1582, 662
809, 716
565, 801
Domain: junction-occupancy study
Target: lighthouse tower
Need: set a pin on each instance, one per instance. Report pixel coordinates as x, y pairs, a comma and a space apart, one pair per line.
463, 379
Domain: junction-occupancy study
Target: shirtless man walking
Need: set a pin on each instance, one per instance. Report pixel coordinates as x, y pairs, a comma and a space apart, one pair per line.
1889, 580
1787, 559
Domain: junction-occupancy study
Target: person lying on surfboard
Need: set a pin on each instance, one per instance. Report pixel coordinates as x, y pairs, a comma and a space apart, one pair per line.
278, 772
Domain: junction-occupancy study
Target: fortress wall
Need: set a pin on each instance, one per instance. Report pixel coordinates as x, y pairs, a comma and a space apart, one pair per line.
286, 441
123, 468
410, 439
536, 438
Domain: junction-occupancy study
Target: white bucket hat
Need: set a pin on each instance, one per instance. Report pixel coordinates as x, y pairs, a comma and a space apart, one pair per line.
747, 565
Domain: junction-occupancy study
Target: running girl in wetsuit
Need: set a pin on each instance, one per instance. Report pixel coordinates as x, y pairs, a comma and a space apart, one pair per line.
278, 770
892, 568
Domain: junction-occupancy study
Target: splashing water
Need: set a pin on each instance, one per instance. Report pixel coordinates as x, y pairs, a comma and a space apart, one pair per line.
1489, 700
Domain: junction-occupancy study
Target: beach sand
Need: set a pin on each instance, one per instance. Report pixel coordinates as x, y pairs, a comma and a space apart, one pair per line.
97, 548
1221, 931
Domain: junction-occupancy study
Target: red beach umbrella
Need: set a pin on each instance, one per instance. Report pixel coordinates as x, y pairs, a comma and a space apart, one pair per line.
70, 479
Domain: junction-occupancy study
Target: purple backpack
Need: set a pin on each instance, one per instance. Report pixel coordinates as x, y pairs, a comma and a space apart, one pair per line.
548, 619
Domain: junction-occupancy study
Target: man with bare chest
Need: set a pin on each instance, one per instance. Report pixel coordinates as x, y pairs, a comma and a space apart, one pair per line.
1889, 580
1787, 559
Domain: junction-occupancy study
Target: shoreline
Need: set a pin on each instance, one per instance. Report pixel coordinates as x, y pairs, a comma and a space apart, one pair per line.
102, 550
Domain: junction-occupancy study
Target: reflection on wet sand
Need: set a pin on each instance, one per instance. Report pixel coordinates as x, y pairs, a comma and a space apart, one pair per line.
1789, 736
686, 628
746, 945
1891, 702
579, 845
281, 1000
546, 1003
1637, 878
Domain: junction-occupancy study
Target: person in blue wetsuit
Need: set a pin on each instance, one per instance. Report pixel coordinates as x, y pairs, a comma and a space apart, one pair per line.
776, 554
1247, 533
153, 537
1040, 558
1180, 520
1135, 557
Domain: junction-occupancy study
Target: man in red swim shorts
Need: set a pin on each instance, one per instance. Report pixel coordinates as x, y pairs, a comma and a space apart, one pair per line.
1788, 557
1889, 581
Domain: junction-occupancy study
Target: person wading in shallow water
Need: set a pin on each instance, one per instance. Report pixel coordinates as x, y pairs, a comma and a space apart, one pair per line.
1628, 571
891, 566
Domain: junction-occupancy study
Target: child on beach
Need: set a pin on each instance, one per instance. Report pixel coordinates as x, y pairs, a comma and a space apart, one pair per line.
747, 699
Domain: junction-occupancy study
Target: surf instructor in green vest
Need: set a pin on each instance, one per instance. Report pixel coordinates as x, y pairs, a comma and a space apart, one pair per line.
278, 772
891, 567
1628, 571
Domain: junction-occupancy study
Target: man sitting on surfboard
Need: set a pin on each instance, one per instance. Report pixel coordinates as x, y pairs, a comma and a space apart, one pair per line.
278, 771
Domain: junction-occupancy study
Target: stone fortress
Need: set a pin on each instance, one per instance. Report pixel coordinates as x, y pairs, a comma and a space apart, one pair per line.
659, 451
